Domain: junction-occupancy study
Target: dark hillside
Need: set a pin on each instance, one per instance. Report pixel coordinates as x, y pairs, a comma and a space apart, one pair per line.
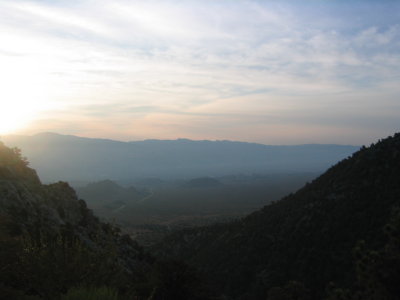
51, 244
304, 241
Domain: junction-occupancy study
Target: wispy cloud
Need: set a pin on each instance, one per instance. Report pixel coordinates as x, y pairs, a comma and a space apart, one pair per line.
206, 69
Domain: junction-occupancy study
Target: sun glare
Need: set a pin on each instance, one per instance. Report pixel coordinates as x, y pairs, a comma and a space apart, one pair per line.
22, 96
14, 116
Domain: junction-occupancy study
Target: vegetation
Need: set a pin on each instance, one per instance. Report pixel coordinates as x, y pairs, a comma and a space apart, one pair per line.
11, 156
306, 238
172, 205
13, 164
337, 238
47, 266
377, 271
52, 247
91, 293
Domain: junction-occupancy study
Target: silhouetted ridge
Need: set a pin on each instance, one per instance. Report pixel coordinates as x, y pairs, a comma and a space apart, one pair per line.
304, 241
14, 166
52, 244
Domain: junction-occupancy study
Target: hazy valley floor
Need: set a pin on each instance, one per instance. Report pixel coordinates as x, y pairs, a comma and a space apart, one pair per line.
149, 212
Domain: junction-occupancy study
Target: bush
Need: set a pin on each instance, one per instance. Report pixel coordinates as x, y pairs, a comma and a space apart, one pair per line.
91, 293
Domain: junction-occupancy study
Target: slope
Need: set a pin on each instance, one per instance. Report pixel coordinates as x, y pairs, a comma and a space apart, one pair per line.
51, 244
304, 241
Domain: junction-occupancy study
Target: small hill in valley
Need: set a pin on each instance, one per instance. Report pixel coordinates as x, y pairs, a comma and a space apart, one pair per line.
108, 193
202, 182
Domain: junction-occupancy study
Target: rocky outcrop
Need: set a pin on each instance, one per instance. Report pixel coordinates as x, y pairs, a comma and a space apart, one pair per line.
51, 208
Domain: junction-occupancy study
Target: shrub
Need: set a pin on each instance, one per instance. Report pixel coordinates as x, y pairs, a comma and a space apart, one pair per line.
91, 293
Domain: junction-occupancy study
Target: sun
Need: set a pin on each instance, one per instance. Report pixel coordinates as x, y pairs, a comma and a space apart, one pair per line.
19, 106
14, 115
22, 96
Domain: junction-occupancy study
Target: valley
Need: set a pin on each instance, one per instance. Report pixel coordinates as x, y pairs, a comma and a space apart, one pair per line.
331, 236
199, 150
149, 211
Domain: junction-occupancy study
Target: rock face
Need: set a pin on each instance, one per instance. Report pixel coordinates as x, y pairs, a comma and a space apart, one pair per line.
47, 212
20, 187
27, 201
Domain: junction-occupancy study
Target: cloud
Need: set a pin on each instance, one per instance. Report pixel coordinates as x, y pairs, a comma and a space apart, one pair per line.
205, 64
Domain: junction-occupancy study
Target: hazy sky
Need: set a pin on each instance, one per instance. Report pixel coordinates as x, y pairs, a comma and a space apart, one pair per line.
274, 72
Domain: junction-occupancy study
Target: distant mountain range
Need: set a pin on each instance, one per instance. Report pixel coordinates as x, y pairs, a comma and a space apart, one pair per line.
67, 157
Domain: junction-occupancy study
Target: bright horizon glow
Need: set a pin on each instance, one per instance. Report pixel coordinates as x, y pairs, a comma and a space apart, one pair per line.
23, 94
273, 72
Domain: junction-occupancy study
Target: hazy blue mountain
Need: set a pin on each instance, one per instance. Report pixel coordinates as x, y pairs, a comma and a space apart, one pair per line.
66, 157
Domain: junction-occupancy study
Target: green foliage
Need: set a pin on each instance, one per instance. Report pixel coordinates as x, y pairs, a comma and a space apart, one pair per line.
378, 271
45, 265
91, 293
7, 292
13, 165
293, 290
52, 264
51, 244
11, 156
307, 237
176, 280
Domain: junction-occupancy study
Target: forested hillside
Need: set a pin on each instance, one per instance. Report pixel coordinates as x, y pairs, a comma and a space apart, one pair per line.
313, 244
53, 247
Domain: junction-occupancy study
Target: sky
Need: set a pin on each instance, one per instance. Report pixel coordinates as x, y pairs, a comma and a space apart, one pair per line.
272, 72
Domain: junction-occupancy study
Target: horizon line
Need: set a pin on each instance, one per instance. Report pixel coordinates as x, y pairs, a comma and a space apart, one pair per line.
177, 139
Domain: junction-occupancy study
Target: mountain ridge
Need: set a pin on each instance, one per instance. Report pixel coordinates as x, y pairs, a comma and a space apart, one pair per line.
55, 134
59, 157
307, 237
